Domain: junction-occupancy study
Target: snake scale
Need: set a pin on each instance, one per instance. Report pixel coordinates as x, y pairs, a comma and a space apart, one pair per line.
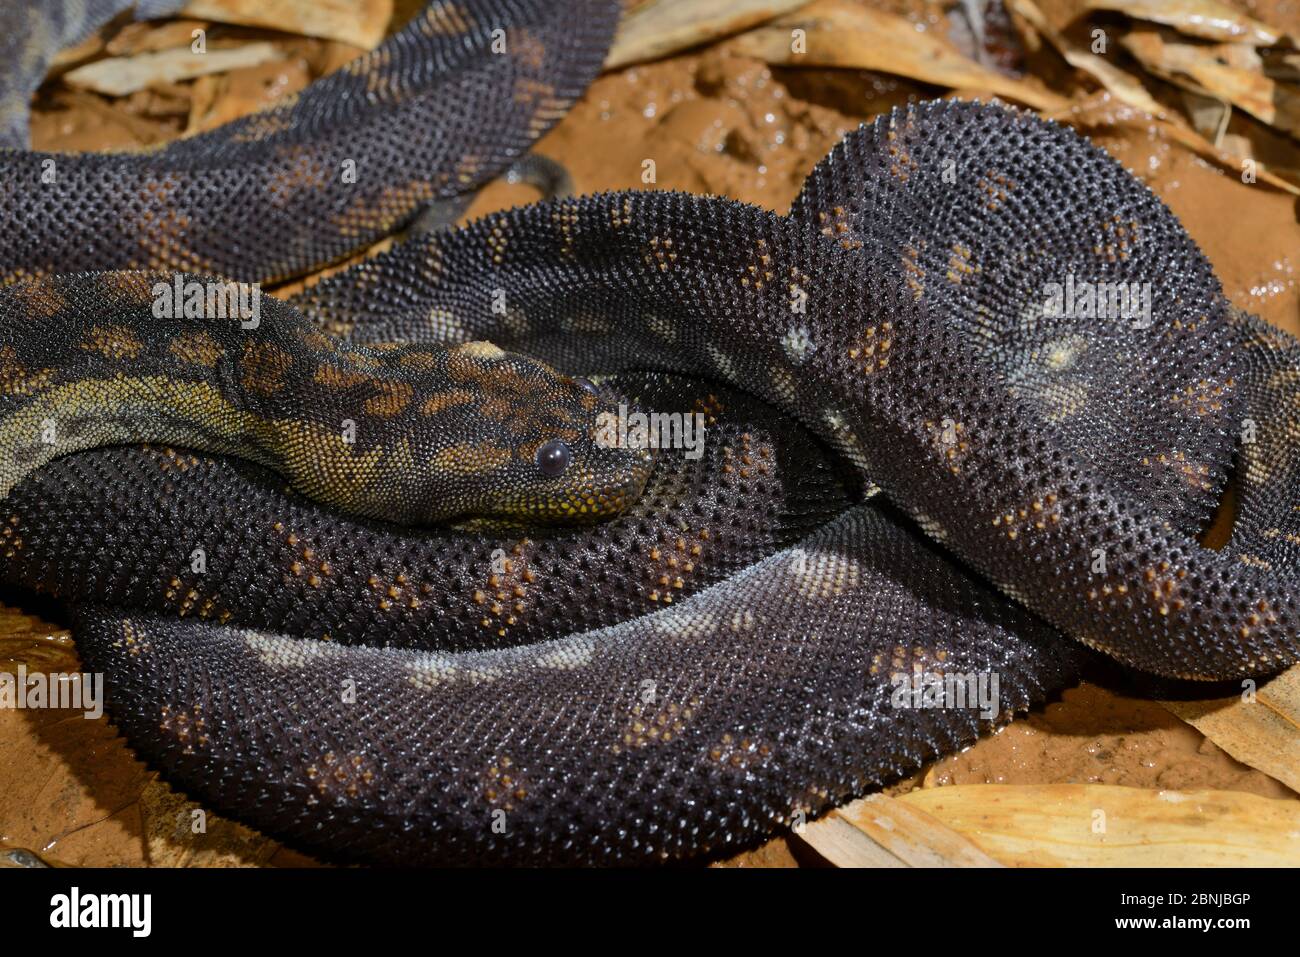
912, 463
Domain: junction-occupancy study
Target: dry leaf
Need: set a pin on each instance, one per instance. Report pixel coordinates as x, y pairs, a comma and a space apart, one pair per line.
880, 831
842, 34
1097, 825
100, 126
151, 36
659, 29
1121, 84
1201, 69
1077, 114
1207, 19
1263, 732
118, 76
71, 56
361, 23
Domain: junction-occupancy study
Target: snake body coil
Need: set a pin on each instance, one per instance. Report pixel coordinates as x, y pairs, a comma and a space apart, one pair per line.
728, 653
412, 434
430, 114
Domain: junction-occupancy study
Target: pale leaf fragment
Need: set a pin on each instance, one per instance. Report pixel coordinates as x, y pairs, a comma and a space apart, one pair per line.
665, 27
1098, 825
880, 831
120, 76
843, 845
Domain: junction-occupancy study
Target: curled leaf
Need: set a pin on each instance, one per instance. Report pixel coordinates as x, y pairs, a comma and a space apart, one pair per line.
836, 33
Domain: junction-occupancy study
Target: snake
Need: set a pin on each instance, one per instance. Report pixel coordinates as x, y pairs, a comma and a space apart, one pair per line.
967, 409
316, 177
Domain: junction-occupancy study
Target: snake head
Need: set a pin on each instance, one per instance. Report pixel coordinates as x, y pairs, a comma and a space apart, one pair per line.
510, 438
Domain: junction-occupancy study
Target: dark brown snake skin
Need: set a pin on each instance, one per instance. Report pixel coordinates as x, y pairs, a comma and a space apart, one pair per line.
430, 114
719, 661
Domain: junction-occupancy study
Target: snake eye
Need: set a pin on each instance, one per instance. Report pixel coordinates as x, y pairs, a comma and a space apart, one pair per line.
553, 458
586, 385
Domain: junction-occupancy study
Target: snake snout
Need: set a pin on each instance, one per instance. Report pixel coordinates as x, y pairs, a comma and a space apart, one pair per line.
586, 475
516, 441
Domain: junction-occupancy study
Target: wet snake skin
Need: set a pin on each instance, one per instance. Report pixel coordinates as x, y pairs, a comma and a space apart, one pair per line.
435, 111
911, 466
412, 433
